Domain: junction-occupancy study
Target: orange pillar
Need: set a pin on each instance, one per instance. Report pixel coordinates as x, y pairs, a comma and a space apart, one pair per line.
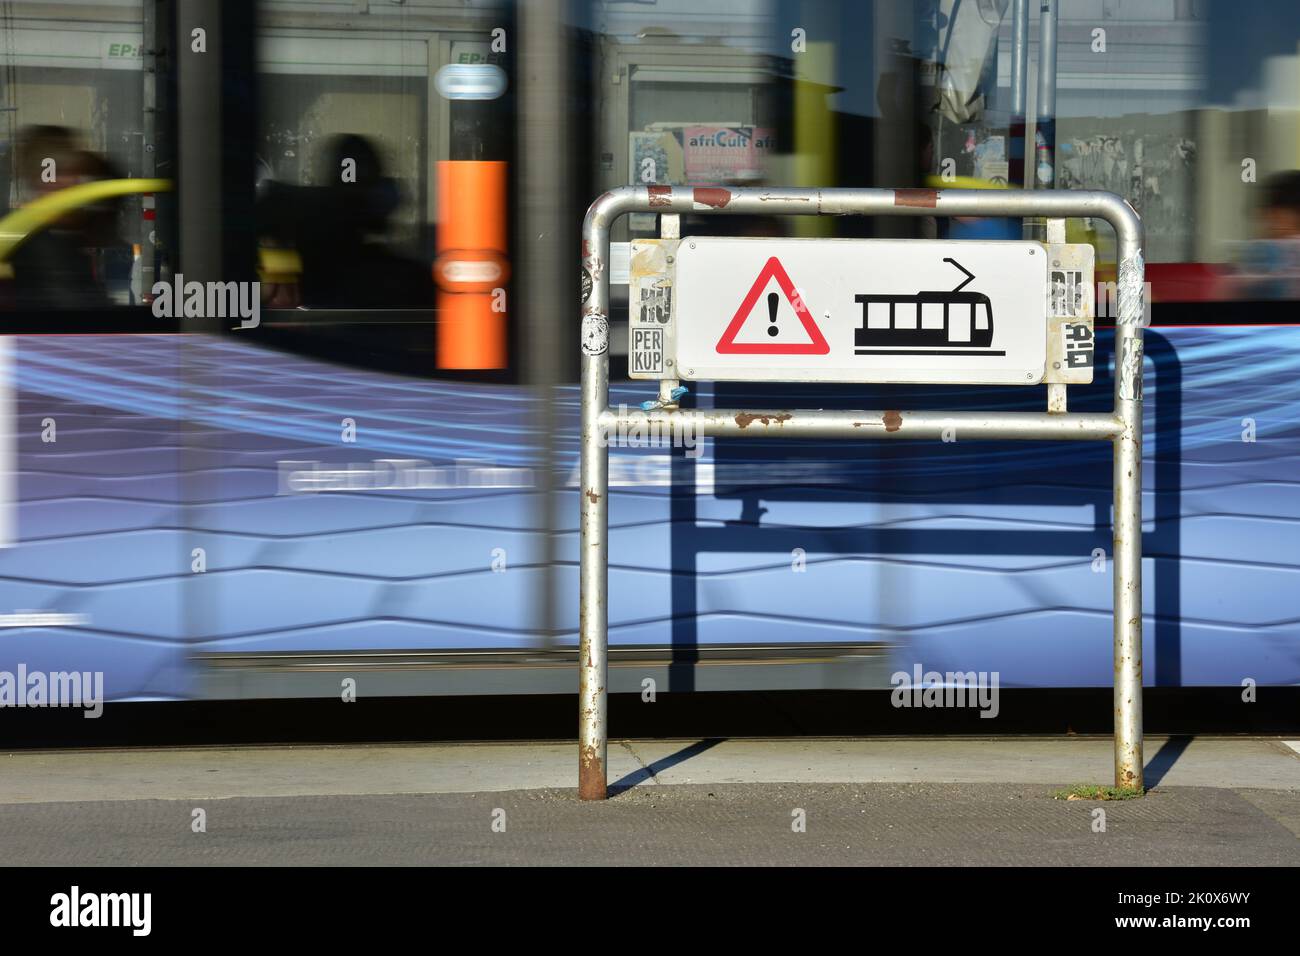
472, 266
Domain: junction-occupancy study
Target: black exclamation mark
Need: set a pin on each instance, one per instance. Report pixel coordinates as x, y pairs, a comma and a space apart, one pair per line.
772, 301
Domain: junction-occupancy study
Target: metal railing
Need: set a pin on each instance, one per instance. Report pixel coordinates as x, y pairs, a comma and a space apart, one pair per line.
1122, 427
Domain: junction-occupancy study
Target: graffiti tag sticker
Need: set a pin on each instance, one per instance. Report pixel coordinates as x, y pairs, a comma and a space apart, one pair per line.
595, 334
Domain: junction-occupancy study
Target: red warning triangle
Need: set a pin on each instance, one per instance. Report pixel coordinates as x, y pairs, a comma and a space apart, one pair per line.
727, 345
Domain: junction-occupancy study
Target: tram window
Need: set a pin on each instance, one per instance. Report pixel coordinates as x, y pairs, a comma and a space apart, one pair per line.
981, 315
905, 315
932, 315
63, 127
878, 315
959, 322
301, 114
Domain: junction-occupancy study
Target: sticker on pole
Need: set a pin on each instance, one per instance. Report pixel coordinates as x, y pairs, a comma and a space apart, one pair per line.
861, 310
783, 325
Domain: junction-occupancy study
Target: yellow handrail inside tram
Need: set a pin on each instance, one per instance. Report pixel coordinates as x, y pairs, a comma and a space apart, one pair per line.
20, 224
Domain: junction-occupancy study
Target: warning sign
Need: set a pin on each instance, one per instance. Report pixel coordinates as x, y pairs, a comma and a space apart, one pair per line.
765, 324
859, 310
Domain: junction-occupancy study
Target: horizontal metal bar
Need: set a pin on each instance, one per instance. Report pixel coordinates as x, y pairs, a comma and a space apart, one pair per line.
865, 202
664, 425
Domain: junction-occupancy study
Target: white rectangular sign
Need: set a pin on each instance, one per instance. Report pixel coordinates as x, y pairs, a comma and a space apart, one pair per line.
860, 310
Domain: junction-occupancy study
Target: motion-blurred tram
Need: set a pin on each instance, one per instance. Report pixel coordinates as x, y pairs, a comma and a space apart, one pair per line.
379, 477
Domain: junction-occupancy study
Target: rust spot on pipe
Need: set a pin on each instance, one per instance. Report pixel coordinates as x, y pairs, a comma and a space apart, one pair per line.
917, 198
712, 196
893, 421
591, 775
745, 419
661, 195
592, 496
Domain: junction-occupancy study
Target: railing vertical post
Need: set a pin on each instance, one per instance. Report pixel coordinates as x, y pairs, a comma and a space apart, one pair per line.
593, 609
1127, 521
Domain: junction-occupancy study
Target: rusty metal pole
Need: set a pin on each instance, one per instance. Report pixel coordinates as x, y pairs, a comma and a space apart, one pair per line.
1127, 521
593, 615
1122, 427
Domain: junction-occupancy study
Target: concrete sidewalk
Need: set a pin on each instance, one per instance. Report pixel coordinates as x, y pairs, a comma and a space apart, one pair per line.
892, 801
218, 773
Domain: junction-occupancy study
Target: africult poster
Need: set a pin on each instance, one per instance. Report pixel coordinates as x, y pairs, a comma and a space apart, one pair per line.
699, 155
722, 154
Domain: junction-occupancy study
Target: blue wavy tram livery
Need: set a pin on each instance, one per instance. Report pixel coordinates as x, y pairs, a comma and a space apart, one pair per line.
201, 510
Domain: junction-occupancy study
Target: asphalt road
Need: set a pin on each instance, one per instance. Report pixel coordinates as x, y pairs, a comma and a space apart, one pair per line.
731, 824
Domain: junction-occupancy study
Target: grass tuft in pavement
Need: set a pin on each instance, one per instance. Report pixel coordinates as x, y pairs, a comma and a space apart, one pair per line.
1088, 791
